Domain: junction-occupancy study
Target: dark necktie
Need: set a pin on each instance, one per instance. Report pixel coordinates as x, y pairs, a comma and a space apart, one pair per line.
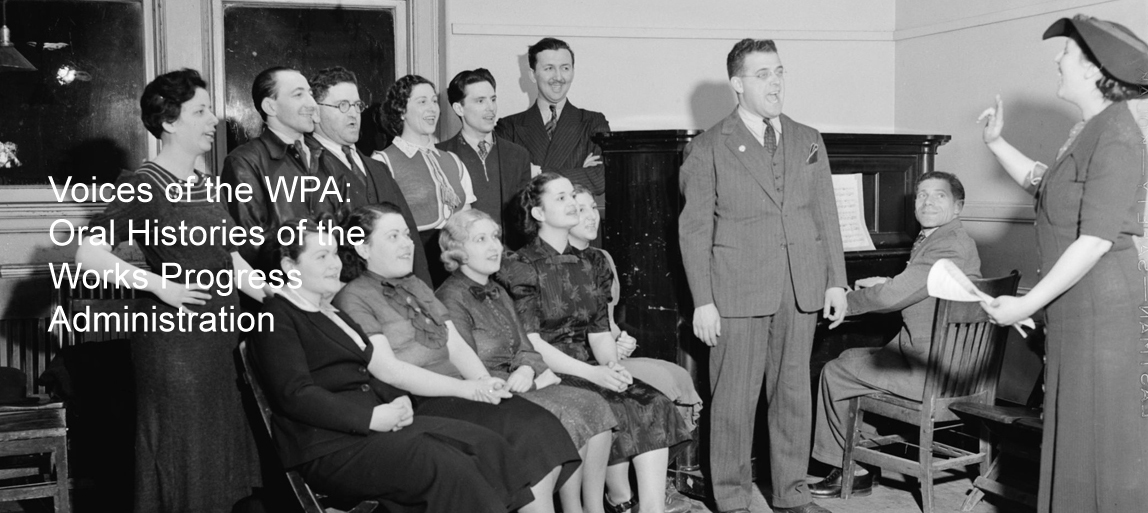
920, 240
349, 152
553, 123
770, 138
484, 149
298, 146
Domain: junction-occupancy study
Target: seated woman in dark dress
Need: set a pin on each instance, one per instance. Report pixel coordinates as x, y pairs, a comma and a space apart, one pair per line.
669, 378
484, 315
418, 349
349, 434
558, 296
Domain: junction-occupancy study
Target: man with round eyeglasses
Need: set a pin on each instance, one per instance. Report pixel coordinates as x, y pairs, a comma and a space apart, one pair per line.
365, 181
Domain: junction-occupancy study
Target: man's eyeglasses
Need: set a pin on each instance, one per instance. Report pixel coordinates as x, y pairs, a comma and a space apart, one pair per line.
765, 74
345, 106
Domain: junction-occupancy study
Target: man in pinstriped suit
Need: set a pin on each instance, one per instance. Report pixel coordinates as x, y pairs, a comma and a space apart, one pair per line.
761, 247
557, 133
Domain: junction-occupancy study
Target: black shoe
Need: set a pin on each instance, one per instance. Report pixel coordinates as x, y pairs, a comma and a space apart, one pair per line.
830, 487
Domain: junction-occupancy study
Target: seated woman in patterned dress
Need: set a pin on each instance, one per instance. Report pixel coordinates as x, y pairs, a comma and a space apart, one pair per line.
349, 434
484, 315
667, 377
558, 299
420, 350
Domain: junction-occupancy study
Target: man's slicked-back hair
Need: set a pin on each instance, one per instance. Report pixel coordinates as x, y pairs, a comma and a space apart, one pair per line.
736, 58
327, 78
955, 185
264, 87
547, 43
456, 90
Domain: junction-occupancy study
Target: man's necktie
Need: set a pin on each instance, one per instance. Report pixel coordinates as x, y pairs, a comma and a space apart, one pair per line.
349, 152
920, 240
770, 138
553, 123
298, 146
484, 149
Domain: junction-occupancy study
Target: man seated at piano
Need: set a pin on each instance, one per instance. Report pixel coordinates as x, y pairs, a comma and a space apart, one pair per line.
898, 367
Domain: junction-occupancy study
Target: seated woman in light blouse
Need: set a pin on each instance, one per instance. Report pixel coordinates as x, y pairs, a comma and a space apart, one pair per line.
558, 296
349, 434
420, 350
484, 315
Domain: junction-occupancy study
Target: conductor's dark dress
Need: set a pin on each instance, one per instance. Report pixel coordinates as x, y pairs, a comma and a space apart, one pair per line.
1095, 448
316, 379
194, 451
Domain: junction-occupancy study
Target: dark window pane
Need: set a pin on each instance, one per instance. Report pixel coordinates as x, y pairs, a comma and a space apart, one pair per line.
78, 114
310, 39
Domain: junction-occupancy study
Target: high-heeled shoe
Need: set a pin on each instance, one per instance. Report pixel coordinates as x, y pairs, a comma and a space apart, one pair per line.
625, 507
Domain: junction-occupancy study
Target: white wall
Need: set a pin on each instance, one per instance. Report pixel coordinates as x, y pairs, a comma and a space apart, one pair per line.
951, 60
657, 64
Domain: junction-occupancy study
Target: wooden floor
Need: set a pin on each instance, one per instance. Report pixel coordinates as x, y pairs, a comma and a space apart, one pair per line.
895, 494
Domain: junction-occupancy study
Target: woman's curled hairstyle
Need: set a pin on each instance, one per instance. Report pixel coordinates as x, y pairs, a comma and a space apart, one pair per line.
364, 218
396, 103
163, 98
455, 233
532, 197
274, 250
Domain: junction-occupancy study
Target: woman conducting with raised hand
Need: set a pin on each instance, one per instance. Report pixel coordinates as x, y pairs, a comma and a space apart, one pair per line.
349, 434
557, 298
1095, 445
484, 315
418, 349
435, 182
669, 378
194, 451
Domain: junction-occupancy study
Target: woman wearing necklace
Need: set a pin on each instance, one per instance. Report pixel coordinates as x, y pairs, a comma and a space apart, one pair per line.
194, 451
435, 182
558, 297
354, 445
418, 349
1095, 445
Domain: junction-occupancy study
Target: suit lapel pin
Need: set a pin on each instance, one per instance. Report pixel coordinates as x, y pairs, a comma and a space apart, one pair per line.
741, 148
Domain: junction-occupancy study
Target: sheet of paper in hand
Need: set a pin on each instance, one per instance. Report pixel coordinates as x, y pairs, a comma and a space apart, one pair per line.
947, 281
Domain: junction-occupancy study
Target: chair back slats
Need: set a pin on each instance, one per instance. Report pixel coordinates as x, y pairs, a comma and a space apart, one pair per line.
967, 348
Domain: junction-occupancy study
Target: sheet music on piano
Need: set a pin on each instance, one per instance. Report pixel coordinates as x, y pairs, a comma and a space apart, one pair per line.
851, 212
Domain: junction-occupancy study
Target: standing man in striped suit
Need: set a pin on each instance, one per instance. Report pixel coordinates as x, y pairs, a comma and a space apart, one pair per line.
554, 131
762, 252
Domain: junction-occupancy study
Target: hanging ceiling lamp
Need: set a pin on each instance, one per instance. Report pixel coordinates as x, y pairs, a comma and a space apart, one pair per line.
10, 59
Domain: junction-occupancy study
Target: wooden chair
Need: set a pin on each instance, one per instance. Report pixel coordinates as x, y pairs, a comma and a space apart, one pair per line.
309, 500
36, 430
964, 363
1016, 432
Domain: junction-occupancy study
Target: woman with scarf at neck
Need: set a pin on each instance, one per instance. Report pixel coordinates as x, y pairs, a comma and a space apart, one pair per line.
435, 182
420, 350
558, 297
484, 315
349, 434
